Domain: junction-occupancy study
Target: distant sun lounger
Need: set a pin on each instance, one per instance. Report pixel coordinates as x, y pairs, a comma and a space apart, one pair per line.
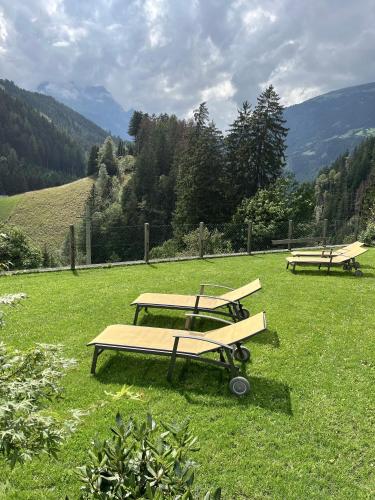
226, 341
347, 261
327, 252
228, 304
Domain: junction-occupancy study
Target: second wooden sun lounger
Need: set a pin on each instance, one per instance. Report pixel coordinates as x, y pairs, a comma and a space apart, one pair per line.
226, 341
347, 261
327, 252
228, 304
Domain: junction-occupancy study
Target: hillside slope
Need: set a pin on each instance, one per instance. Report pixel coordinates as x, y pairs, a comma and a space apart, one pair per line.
45, 215
93, 102
85, 132
33, 152
326, 126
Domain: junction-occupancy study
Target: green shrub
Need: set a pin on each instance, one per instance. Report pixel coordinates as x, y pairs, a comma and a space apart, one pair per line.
368, 234
27, 381
167, 250
16, 250
139, 462
214, 242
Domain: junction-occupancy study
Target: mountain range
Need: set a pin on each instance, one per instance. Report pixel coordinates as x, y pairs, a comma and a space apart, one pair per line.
93, 102
322, 128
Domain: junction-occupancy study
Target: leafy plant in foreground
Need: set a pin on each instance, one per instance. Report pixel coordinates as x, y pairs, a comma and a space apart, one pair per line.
27, 381
139, 462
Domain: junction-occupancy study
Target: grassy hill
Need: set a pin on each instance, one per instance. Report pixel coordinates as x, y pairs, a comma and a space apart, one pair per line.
45, 215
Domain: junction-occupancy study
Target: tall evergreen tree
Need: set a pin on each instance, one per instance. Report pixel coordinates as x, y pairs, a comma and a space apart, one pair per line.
240, 171
268, 137
200, 189
92, 163
121, 149
135, 123
107, 157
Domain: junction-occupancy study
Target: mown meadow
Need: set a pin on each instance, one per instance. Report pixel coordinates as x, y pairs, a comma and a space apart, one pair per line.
305, 430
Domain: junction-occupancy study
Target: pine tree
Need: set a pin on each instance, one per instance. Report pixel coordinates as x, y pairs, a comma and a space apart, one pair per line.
107, 157
200, 190
240, 172
268, 137
92, 163
121, 149
135, 123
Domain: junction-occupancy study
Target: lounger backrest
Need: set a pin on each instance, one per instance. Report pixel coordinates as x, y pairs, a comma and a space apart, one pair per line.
244, 291
348, 248
355, 252
240, 331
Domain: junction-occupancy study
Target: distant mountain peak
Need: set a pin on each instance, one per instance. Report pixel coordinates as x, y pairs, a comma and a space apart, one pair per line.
94, 102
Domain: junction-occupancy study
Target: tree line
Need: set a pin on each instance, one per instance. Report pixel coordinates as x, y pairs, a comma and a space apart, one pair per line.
187, 171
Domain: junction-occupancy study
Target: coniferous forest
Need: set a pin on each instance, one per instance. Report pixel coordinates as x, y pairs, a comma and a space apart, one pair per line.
33, 152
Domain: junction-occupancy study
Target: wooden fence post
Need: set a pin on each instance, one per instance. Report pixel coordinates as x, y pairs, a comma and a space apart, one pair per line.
290, 233
249, 236
88, 235
325, 224
147, 242
72, 248
201, 235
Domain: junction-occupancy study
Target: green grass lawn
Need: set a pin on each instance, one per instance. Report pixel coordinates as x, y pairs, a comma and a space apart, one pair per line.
305, 431
7, 205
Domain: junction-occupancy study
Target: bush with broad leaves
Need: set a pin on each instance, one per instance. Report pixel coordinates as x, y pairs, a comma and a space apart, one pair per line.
140, 462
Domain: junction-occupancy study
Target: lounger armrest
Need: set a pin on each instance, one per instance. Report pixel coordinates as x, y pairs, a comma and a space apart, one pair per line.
203, 285
206, 316
204, 339
226, 301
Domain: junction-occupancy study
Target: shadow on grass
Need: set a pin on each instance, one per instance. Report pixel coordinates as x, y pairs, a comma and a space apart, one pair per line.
339, 274
269, 337
199, 384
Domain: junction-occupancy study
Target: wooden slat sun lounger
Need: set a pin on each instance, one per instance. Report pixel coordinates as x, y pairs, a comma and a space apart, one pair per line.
226, 341
327, 252
347, 261
228, 304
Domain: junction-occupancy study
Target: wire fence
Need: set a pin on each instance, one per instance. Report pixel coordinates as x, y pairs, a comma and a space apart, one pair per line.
91, 241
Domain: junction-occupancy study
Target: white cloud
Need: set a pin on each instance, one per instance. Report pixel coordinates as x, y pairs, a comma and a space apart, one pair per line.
221, 91
254, 19
3, 32
169, 55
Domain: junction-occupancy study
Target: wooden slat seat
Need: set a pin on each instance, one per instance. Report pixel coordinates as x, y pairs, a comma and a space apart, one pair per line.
184, 344
229, 301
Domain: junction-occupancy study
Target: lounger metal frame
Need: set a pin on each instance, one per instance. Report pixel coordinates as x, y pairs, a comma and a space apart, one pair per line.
235, 310
226, 351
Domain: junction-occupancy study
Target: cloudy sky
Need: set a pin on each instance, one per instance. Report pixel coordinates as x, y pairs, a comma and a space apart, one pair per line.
169, 55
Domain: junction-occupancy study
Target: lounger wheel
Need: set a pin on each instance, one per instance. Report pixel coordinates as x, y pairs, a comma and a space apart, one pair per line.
347, 267
358, 272
243, 313
241, 354
239, 386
